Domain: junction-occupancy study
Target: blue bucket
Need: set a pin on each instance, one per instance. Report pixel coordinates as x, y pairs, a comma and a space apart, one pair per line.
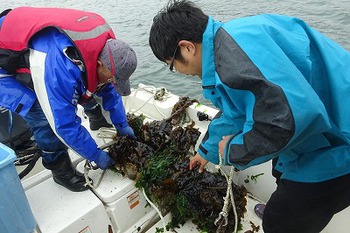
15, 212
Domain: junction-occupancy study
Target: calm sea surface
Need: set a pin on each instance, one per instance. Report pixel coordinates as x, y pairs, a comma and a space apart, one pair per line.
132, 19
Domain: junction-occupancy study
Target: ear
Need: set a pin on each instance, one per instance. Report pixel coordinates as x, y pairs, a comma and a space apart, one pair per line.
99, 63
187, 47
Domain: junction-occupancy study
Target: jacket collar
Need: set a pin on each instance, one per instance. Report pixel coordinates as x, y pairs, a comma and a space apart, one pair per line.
208, 65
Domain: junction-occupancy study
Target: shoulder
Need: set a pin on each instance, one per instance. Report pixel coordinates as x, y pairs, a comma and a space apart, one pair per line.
48, 39
58, 47
260, 21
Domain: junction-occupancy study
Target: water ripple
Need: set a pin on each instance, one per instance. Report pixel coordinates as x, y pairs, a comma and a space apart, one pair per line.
131, 20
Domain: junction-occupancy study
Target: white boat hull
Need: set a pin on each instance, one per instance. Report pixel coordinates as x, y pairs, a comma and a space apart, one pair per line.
116, 204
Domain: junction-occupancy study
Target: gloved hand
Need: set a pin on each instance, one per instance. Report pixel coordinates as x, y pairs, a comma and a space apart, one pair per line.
103, 161
125, 130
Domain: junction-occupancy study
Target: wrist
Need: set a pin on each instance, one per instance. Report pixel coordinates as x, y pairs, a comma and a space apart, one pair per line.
121, 125
98, 156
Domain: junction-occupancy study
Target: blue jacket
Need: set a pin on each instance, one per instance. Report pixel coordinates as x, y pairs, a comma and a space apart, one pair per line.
283, 91
60, 92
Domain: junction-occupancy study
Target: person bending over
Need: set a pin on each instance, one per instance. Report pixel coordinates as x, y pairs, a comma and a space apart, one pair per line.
53, 60
282, 89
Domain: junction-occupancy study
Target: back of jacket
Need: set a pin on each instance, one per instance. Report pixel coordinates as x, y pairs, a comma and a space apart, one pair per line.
282, 89
58, 85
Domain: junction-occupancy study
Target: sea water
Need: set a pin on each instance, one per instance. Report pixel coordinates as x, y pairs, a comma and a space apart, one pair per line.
131, 21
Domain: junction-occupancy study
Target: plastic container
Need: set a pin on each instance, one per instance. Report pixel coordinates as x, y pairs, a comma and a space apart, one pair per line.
15, 212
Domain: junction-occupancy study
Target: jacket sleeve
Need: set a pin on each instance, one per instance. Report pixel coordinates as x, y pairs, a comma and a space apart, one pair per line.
58, 85
277, 124
221, 125
113, 103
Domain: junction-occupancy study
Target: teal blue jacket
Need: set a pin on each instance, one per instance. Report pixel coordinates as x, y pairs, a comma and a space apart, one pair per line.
284, 92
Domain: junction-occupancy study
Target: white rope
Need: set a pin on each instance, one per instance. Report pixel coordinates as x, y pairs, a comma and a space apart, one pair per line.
159, 94
103, 133
136, 110
158, 211
229, 197
88, 181
220, 162
233, 200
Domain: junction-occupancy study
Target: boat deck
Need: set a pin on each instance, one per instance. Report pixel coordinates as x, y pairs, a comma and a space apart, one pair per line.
116, 204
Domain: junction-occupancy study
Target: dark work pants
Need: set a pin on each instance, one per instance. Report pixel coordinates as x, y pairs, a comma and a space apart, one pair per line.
297, 207
50, 145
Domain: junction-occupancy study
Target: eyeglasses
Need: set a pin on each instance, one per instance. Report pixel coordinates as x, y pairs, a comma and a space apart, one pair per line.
171, 67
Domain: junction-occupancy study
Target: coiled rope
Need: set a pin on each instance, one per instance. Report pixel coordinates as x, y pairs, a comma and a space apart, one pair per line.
159, 94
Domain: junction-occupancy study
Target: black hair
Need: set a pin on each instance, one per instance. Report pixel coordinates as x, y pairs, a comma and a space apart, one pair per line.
179, 20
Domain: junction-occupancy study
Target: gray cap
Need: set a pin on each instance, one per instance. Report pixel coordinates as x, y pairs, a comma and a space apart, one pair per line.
125, 63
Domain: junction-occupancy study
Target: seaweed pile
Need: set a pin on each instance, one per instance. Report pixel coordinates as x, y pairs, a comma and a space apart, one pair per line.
159, 163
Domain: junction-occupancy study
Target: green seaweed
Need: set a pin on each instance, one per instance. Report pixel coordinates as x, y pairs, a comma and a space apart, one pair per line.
159, 163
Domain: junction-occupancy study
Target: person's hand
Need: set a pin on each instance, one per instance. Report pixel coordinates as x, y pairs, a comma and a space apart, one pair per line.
222, 144
198, 160
125, 130
103, 161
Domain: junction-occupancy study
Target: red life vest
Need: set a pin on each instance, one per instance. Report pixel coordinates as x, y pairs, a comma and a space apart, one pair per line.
87, 31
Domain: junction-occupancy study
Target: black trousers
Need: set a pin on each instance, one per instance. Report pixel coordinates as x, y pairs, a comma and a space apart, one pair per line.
297, 207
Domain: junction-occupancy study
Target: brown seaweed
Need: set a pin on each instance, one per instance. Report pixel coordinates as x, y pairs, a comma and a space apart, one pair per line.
159, 163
